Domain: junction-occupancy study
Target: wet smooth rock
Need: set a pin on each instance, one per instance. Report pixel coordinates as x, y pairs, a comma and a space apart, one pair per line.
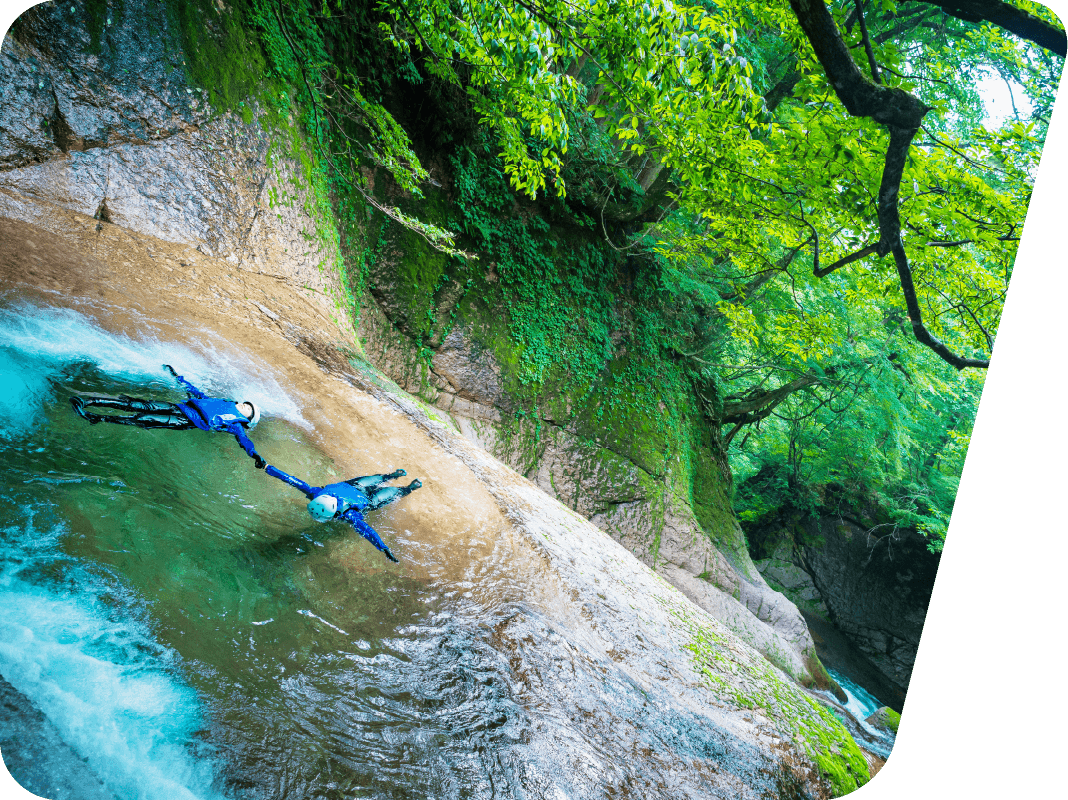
120, 136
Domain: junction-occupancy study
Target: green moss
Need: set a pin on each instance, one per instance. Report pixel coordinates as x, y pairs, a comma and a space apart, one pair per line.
223, 52
96, 12
887, 718
821, 678
633, 415
893, 719
418, 273
834, 750
752, 683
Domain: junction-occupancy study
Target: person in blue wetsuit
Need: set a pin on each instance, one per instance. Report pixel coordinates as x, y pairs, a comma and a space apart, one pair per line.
197, 411
345, 500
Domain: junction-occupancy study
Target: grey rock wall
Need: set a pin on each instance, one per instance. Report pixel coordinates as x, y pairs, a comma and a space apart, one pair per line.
121, 136
877, 586
57, 97
873, 583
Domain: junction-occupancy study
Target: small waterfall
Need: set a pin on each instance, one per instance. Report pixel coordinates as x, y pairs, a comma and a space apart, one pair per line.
860, 704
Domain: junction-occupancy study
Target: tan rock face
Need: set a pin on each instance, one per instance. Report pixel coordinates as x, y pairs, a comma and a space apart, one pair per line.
657, 527
189, 189
120, 136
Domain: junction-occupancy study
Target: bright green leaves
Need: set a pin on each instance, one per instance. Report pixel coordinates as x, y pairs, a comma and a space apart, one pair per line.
508, 59
659, 76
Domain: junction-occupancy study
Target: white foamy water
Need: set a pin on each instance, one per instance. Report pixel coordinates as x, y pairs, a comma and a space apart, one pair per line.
861, 703
36, 343
98, 676
77, 648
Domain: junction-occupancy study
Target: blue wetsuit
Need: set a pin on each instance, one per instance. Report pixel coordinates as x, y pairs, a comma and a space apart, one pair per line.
213, 413
351, 500
198, 411
216, 414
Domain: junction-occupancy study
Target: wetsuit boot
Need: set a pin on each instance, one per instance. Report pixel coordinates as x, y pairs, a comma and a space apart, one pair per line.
79, 409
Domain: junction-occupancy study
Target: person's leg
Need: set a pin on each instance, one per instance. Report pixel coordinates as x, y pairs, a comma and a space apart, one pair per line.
175, 422
161, 415
366, 482
370, 481
387, 494
125, 403
146, 413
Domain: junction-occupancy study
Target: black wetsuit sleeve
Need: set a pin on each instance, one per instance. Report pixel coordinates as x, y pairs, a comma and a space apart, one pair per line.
296, 483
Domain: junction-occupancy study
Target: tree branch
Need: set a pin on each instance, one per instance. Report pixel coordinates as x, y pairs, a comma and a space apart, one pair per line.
867, 43
757, 406
921, 333
886, 105
901, 113
821, 272
1014, 20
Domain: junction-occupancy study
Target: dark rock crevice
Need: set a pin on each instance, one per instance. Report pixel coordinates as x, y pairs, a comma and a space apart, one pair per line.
874, 589
62, 133
103, 213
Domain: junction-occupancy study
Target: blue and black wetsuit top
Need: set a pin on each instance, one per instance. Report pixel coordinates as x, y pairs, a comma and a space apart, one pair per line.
216, 414
351, 500
348, 496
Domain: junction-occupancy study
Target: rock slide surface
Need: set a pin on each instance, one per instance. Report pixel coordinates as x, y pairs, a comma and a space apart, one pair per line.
621, 680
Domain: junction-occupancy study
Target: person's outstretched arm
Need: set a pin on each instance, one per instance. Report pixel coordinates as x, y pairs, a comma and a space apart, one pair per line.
190, 388
355, 518
285, 477
246, 444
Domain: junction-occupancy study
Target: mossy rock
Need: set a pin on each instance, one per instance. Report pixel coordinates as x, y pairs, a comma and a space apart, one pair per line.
628, 422
810, 726
222, 52
886, 719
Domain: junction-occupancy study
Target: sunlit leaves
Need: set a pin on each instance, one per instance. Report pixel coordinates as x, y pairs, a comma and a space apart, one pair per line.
661, 76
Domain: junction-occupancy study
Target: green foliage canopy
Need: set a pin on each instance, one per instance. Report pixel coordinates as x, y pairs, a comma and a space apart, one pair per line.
721, 143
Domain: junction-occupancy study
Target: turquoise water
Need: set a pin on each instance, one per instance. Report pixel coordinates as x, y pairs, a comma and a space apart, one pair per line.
861, 703
190, 632
158, 591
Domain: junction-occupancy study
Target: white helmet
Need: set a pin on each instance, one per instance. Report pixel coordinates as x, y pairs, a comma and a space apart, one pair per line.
323, 507
255, 418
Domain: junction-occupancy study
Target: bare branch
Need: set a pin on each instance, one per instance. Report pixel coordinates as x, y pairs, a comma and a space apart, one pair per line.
867, 43
1014, 20
901, 113
821, 272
